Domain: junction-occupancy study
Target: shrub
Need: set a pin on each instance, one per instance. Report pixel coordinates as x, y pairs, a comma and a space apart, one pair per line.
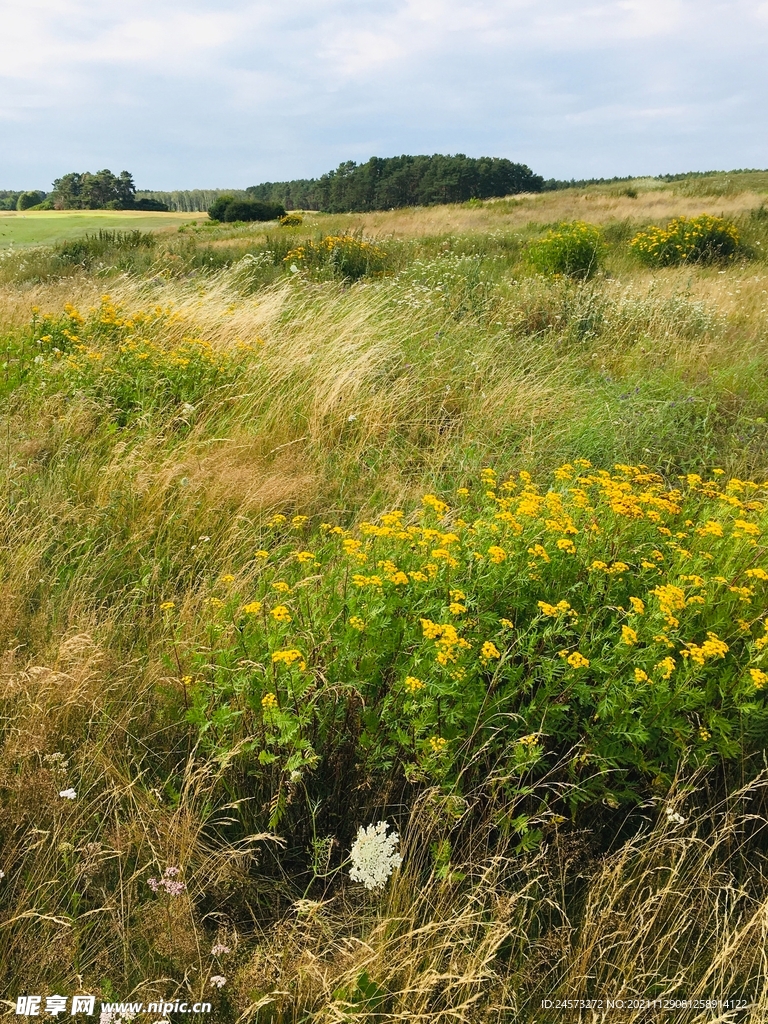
608, 612
344, 255
29, 199
291, 220
229, 209
218, 207
253, 209
572, 249
702, 239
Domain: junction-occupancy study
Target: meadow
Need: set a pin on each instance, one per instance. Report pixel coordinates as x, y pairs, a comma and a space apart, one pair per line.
369, 519
46, 227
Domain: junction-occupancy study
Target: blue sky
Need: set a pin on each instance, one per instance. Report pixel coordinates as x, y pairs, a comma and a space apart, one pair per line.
195, 93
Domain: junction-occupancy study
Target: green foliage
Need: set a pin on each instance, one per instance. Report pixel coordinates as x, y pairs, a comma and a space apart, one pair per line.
343, 255
391, 182
601, 631
253, 209
702, 239
571, 249
229, 208
29, 199
100, 191
119, 361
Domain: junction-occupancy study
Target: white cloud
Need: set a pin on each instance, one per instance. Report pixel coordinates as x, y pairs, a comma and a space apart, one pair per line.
248, 88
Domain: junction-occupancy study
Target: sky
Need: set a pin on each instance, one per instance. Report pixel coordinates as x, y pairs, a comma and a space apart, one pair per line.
229, 93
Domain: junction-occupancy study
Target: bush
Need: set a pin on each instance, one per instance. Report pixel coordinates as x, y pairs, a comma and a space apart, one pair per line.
344, 255
229, 209
218, 207
572, 249
291, 220
703, 239
29, 199
600, 632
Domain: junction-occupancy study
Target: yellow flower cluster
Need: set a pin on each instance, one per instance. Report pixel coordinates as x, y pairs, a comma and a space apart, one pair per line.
446, 638
288, 658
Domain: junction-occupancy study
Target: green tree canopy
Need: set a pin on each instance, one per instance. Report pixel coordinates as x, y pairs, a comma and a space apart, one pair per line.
100, 191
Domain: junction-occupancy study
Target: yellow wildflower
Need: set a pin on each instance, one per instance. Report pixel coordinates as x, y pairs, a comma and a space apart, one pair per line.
438, 744
166, 606
253, 608
577, 660
640, 676
628, 636
489, 652
638, 607
261, 553
289, 658
227, 578
304, 556
412, 684
496, 554
280, 613
667, 667
356, 623
269, 702
567, 545
281, 587
759, 678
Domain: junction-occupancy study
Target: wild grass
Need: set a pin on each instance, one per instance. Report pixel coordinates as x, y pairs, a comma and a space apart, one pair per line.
336, 401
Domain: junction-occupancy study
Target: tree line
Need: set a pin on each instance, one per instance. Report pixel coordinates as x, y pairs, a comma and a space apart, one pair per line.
383, 183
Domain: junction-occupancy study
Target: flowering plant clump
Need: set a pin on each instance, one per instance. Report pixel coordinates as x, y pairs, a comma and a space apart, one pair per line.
344, 255
374, 855
686, 240
168, 882
121, 357
571, 250
641, 643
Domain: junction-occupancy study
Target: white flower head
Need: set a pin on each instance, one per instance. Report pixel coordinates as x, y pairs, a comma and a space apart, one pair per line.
68, 794
218, 981
374, 856
673, 817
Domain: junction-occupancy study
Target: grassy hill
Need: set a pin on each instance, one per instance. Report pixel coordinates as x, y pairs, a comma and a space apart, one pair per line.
363, 520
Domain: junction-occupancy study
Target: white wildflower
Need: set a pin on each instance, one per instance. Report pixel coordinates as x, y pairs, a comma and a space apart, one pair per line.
218, 981
218, 948
2, 875
673, 818
374, 855
68, 794
352, 417
187, 408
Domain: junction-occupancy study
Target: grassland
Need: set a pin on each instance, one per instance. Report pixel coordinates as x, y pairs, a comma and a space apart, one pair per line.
45, 227
210, 459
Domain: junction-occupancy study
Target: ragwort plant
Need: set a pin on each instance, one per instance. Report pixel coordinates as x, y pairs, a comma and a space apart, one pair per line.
610, 624
703, 239
573, 249
125, 361
342, 255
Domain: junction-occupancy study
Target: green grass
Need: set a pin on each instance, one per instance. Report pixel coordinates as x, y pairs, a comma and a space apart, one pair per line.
44, 227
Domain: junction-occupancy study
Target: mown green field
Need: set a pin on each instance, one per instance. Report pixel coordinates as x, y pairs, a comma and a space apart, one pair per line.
44, 227
375, 518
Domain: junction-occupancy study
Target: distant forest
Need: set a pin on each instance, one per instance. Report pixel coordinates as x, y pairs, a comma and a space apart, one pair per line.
382, 183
